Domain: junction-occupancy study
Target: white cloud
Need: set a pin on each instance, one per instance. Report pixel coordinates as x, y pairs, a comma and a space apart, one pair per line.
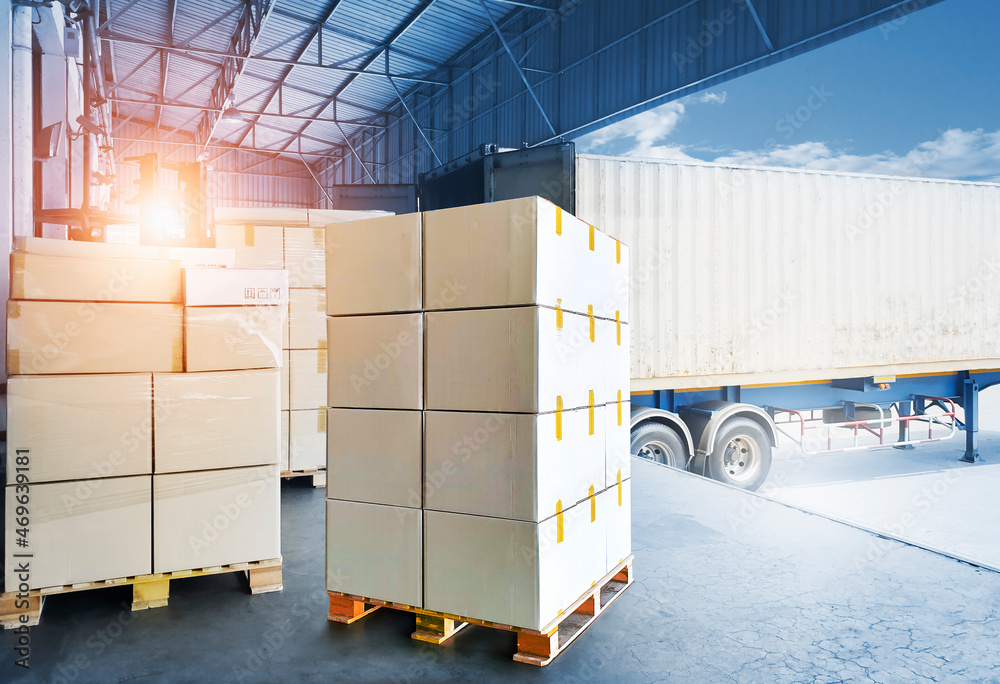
712, 98
643, 134
956, 153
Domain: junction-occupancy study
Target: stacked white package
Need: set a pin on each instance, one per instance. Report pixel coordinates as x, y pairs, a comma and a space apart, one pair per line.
375, 415
491, 405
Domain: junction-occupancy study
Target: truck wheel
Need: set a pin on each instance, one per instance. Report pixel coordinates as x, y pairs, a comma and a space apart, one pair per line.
659, 443
742, 455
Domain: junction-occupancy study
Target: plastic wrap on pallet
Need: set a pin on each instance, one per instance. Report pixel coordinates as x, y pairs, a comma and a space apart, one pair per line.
76, 427
255, 246
233, 337
187, 256
374, 266
78, 531
235, 287
261, 216
93, 337
60, 278
212, 420
307, 379
216, 517
306, 439
305, 256
307, 319
288, 216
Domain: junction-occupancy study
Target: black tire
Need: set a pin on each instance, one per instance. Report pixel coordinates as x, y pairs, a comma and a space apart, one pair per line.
657, 442
742, 455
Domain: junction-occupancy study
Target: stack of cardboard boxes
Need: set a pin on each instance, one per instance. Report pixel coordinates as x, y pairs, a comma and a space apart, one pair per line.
142, 412
478, 431
299, 250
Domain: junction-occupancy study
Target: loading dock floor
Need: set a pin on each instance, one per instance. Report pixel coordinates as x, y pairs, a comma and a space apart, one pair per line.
730, 588
926, 495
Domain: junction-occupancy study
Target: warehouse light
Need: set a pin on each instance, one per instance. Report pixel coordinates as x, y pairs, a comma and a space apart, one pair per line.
230, 113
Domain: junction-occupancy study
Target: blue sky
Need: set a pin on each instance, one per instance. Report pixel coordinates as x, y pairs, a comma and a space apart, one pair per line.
918, 98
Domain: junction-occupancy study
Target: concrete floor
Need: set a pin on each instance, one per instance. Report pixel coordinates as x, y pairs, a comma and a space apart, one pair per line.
728, 589
925, 495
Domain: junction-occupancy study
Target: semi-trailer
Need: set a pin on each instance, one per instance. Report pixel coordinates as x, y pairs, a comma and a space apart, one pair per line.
841, 311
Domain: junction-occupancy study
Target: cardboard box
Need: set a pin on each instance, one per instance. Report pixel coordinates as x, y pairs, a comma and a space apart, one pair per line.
216, 517
81, 531
307, 370
260, 216
318, 218
307, 440
75, 427
92, 337
285, 379
235, 287
307, 319
285, 418
206, 421
376, 361
187, 256
375, 551
258, 246
614, 339
618, 438
510, 571
511, 360
232, 337
613, 298
513, 253
39, 277
374, 456
305, 256
615, 504
374, 266
513, 466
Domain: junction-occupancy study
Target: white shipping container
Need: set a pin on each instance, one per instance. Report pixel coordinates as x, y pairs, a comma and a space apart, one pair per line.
744, 275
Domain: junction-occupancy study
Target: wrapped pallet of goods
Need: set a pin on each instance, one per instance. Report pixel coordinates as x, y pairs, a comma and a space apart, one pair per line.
143, 408
478, 421
293, 240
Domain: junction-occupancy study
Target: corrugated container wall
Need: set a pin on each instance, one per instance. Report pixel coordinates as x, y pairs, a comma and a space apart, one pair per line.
238, 178
784, 275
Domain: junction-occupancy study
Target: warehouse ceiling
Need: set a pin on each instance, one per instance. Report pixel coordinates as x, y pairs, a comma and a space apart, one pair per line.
318, 71
377, 92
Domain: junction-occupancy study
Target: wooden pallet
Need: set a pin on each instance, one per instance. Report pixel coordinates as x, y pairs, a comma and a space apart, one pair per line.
318, 476
535, 647
148, 591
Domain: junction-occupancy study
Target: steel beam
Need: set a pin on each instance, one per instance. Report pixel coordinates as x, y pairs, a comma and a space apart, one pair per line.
760, 25
317, 31
356, 37
517, 65
413, 17
229, 54
410, 112
248, 31
259, 150
165, 58
128, 5
292, 117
